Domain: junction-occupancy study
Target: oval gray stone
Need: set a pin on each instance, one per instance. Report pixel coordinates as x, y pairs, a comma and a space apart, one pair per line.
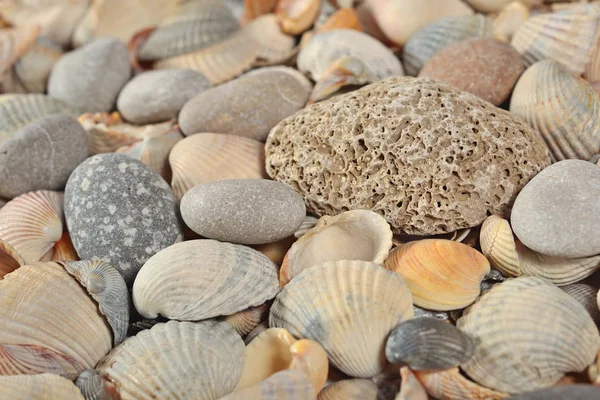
248, 106
90, 78
558, 212
42, 155
119, 210
246, 211
157, 96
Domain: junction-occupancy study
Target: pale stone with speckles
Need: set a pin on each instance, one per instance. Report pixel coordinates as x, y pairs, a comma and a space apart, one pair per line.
119, 210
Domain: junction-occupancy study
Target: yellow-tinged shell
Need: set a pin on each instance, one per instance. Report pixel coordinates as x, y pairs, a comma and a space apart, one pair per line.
450, 384
256, 8
276, 350
49, 323
32, 223
38, 387
529, 334
284, 385
64, 250
274, 46
338, 305
441, 274
245, 321
14, 42
352, 235
570, 37
10, 259
510, 19
200, 279
296, 16
351, 389
201, 360
498, 245
209, 157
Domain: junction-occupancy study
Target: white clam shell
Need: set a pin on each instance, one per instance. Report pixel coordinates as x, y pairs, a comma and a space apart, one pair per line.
38, 387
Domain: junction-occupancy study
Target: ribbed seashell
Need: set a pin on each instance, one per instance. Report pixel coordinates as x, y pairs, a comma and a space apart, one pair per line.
212, 352
491, 6
10, 259
514, 259
275, 350
562, 392
107, 287
14, 42
308, 223
245, 321
34, 67
430, 39
38, 387
209, 157
49, 323
284, 385
563, 108
352, 389
255, 8
260, 328
411, 388
197, 24
18, 110
352, 235
570, 37
510, 19
441, 274
32, 223
586, 295
450, 384
428, 344
64, 249
296, 16
93, 387
529, 333
336, 300
120, 18
423, 313
220, 62
200, 279
274, 46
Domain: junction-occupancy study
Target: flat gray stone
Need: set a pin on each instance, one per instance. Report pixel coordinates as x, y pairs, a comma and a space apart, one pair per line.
246, 211
248, 106
90, 78
119, 210
558, 212
157, 96
42, 155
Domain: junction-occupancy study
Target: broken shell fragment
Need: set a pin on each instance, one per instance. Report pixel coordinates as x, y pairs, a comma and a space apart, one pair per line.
296, 16
410, 388
274, 46
450, 384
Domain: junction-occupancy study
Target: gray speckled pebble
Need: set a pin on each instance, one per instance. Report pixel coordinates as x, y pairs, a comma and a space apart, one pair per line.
90, 78
248, 106
119, 210
558, 212
157, 96
246, 211
42, 155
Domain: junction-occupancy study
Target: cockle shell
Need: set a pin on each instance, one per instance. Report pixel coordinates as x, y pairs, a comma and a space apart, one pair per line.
255, 8
353, 235
351, 389
284, 385
275, 350
246, 320
450, 384
49, 323
32, 223
93, 387
430, 39
10, 259
296, 16
151, 362
209, 157
570, 37
510, 19
560, 392
441, 274
14, 42
274, 46
586, 295
512, 258
529, 333
338, 305
201, 279
38, 387
563, 108
308, 223
31, 71
490, 6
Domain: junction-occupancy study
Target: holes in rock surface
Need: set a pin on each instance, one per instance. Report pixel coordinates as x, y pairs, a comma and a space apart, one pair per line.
399, 204
361, 143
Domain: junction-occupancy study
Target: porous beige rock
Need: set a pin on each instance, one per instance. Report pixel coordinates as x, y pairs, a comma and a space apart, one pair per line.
429, 158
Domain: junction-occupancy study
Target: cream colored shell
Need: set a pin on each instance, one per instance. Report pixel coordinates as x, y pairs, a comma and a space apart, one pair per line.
284, 385
38, 387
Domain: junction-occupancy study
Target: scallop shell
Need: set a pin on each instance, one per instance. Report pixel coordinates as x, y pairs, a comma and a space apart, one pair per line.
441, 274
201, 279
430, 39
209, 157
32, 223
428, 344
510, 19
34, 67
10, 259
296, 16
529, 333
38, 387
284, 385
450, 384
49, 322
563, 108
579, 392
197, 24
352, 235
498, 245
18, 110
351, 389
255, 8
274, 46
64, 250
93, 387
586, 295
570, 37
211, 352
220, 62
245, 321
339, 300
14, 42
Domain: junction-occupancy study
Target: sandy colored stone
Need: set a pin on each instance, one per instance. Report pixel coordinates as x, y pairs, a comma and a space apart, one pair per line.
248, 106
488, 68
429, 158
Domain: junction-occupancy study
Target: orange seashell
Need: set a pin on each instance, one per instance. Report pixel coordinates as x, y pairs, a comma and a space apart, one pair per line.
450, 384
411, 388
10, 259
296, 16
344, 18
255, 8
64, 250
135, 43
